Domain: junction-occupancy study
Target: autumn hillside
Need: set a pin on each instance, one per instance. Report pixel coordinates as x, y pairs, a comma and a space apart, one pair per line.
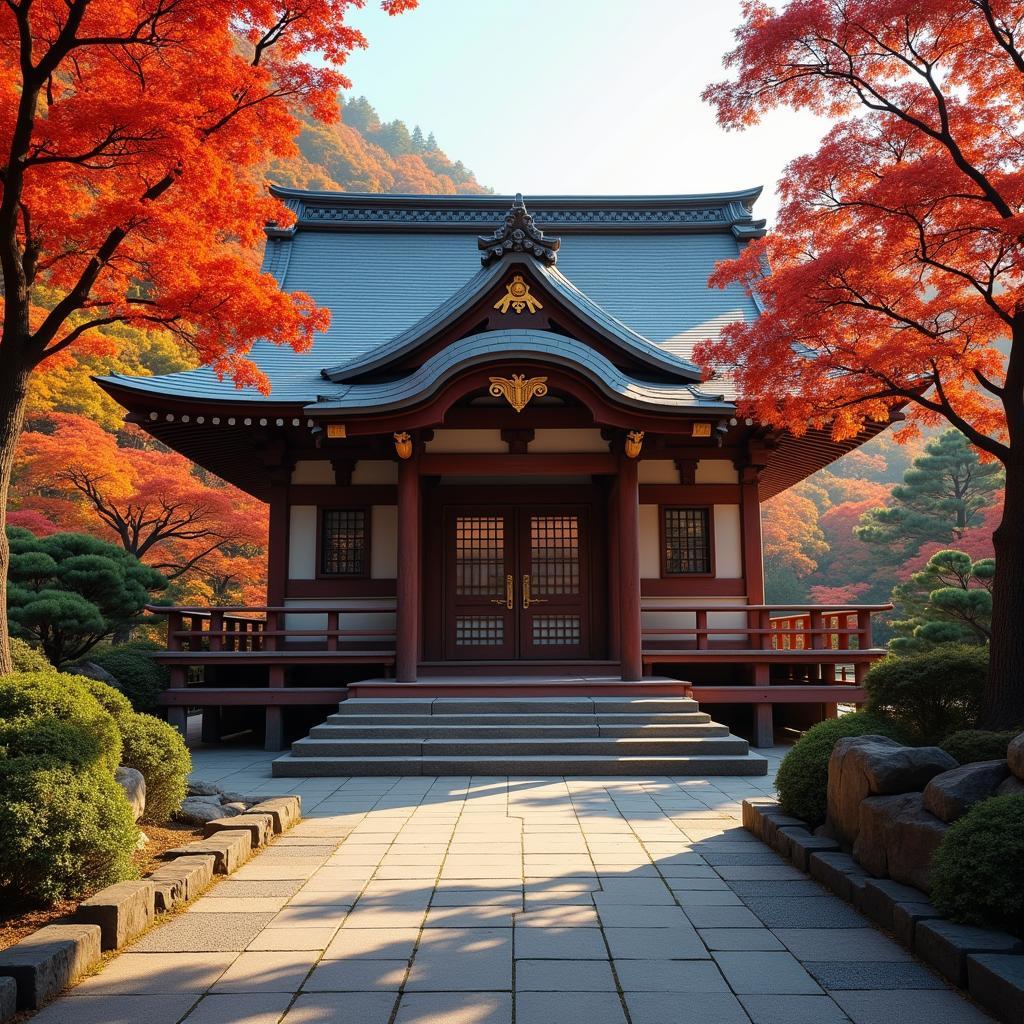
80, 468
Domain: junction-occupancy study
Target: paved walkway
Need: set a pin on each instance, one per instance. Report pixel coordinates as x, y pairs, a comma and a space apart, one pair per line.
497, 900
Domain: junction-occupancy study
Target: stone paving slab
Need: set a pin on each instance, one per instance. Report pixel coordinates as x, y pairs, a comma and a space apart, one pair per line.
479, 900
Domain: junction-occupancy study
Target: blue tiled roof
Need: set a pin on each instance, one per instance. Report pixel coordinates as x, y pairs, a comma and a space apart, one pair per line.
644, 262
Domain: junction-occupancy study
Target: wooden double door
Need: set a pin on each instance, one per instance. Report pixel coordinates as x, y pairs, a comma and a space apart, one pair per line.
518, 582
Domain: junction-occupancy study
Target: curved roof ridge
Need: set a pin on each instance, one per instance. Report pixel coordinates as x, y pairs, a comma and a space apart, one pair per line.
543, 346
591, 312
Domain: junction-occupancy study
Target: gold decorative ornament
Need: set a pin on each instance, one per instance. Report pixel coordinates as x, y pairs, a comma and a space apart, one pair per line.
517, 295
517, 390
702, 430
336, 430
403, 445
634, 442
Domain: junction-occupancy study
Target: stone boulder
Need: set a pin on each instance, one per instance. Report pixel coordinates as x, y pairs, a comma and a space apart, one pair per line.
203, 789
863, 766
952, 794
1015, 756
897, 838
91, 670
199, 810
132, 781
1010, 787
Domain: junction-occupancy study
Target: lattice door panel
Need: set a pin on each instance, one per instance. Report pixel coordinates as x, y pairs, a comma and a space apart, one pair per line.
555, 554
480, 556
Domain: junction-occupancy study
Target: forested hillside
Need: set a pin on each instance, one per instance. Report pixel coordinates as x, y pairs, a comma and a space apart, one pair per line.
80, 468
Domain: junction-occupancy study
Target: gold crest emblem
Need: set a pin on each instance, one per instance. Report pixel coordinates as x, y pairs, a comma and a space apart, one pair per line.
517, 390
517, 295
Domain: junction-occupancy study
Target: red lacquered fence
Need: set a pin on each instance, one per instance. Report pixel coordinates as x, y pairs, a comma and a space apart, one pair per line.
777, 654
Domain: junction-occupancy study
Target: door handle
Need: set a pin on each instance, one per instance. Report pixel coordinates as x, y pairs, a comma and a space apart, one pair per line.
527, 599
508, 600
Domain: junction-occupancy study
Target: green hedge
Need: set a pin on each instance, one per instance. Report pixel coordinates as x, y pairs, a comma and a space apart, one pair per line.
802, 780
157, 750
138, 676
931, 694
977, 874
970, 745
27, 697
27, 658
65, 824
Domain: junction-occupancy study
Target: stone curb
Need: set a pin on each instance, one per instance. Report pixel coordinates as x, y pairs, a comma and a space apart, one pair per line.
988, 964
260, 827
43, 964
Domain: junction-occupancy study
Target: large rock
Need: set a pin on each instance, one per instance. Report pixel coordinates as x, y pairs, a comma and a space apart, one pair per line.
203, 789
952, 794
200, 810
1011, 786
1015, 756
133, 782
897, 838
863, 766
91, 670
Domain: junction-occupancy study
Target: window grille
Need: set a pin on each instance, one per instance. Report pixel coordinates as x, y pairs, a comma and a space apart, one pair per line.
687, 541
343, 542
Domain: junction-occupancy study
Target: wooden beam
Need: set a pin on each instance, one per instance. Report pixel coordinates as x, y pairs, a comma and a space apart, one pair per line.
569, 464
258, 696
277, 545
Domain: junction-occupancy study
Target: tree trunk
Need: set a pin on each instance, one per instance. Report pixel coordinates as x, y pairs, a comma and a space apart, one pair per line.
13, 394
1004, 695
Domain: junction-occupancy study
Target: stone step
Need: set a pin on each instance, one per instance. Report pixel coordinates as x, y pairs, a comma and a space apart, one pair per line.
486, 747
687, 718
513, 730
556, 765
517, 705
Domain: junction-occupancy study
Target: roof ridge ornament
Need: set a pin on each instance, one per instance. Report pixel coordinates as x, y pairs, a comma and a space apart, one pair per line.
518, 234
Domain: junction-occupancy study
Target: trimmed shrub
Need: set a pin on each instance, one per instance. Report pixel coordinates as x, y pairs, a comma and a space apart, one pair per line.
138, 676
157, 750
64, 830
970, 745
977, 873
26, 658
802, 781
27, 698
115, 703
931, 694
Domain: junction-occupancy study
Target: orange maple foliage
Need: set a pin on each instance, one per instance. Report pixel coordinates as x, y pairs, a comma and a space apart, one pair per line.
128, 132
154, 503
790, 532
896, 269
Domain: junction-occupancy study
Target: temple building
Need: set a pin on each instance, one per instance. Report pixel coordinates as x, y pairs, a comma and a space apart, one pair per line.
499, 470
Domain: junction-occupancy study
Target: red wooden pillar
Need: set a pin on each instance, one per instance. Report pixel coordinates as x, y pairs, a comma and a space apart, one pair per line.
628, 493
407, 639
277, 545
614, 626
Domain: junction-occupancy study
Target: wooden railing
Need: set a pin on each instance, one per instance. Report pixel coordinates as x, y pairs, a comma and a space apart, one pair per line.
264, 629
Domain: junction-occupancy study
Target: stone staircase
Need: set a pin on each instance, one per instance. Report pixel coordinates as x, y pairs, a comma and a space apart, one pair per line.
608, 735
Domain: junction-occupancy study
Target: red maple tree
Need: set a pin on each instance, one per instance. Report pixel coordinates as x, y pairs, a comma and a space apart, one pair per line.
896, 273
128, 134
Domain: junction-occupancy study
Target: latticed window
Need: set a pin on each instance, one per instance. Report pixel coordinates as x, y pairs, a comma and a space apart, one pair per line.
687, 541
344, 550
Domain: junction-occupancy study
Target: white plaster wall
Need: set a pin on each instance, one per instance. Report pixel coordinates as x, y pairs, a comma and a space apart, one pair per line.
313, 471
728, 542
716, 471
467, 441
373, 620
384, 542
302, 542
375, 471
576, 440
658, 471
653, 619
650, 555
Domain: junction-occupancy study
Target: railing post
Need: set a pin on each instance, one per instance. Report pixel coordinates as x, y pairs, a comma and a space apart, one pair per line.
216, 627
702, 629
174, 626
177, 714
272, 626
333, 625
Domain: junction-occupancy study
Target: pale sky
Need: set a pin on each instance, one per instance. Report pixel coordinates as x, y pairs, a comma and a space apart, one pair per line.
574, 96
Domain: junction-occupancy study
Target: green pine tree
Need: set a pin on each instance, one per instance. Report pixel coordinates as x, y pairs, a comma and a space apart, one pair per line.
942, 494
948, 601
